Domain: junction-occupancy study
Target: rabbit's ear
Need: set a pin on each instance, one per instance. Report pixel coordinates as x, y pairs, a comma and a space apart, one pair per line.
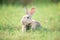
26, 10
32, 11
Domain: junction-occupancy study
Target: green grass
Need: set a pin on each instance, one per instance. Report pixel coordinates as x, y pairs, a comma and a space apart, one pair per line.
47, 14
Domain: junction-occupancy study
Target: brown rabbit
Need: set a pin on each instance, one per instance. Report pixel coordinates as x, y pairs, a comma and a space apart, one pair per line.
28, 22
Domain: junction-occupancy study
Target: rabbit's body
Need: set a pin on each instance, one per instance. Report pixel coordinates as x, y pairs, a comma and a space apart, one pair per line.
35, 25
28, 22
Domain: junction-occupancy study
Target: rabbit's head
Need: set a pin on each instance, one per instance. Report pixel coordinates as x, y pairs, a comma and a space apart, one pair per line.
27, 18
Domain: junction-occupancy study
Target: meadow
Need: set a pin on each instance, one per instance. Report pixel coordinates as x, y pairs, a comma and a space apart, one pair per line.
48, 14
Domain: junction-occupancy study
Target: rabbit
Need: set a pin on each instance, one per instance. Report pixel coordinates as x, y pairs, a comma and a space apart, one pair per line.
28, 22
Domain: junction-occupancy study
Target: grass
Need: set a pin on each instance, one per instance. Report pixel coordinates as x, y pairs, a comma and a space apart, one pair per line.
47, 14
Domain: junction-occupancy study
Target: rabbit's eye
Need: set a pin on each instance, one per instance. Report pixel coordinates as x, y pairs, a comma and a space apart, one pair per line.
28, 17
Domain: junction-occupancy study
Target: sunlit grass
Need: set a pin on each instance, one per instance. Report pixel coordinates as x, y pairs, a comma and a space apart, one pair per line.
47, 14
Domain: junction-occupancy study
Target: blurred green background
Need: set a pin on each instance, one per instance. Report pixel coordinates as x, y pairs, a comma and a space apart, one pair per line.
47, 13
